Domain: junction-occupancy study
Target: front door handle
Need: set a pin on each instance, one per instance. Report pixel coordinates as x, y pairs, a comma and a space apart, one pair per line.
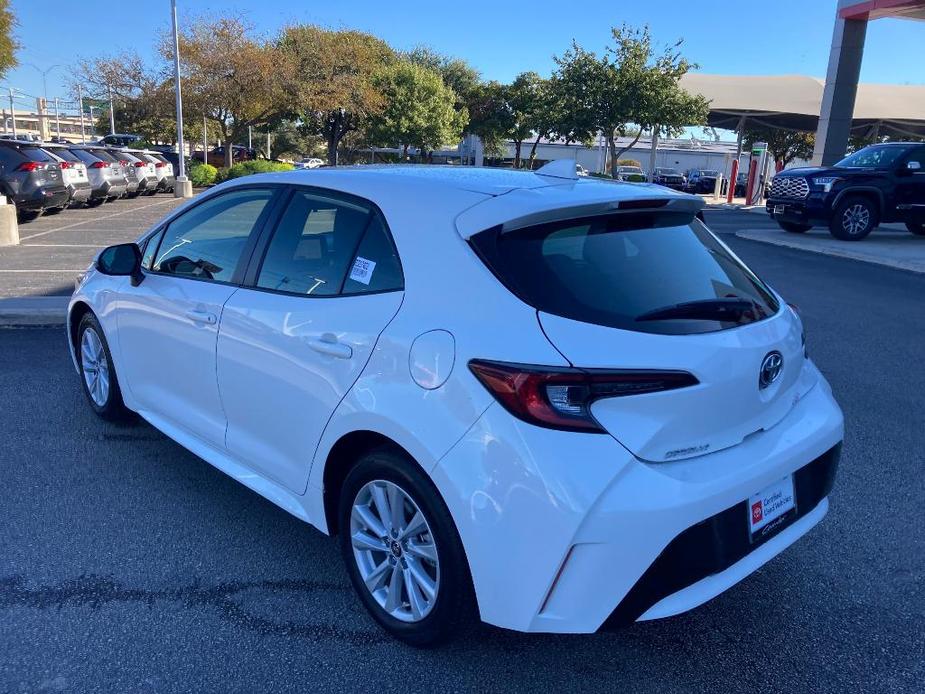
202, 317
328, 344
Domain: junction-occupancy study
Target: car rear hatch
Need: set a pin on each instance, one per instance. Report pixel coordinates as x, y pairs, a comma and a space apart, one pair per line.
651, 293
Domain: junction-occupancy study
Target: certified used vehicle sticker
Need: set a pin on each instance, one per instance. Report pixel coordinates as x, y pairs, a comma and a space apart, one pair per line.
362, 270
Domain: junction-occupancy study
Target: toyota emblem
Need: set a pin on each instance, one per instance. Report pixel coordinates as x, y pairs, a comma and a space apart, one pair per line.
771, 369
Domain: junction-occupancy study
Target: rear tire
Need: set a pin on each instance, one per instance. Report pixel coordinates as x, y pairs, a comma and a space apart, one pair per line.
794, 228
23, 216
431, 559
854, 218
97, 373
53, 210
917, 229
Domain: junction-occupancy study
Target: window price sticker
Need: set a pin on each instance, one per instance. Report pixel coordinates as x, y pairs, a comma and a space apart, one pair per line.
362, 270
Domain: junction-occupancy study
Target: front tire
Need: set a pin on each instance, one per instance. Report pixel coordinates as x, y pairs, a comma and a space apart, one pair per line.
793, 227
402, 551
854, 218
917, 229
97, 374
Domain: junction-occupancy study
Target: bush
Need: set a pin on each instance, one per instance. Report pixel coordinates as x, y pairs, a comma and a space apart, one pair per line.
246, 168
203, 175
628, 162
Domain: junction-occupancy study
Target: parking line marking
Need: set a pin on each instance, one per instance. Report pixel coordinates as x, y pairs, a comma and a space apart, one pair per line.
34, 271
95, 219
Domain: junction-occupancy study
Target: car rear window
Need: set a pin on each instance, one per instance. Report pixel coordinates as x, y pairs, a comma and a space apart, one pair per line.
85, 156
102, 154
626, 270
33, 153
65, 154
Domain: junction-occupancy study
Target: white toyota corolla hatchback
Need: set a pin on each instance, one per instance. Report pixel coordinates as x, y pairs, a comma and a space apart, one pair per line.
552, 403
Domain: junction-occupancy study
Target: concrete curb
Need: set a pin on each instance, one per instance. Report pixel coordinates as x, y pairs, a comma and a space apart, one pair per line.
833, 248
33, 311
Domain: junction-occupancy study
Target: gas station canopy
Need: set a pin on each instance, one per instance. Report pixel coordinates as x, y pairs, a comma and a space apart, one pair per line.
794, 102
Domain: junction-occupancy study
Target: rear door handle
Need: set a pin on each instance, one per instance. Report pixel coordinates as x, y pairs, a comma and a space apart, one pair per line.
328, 344
202, 317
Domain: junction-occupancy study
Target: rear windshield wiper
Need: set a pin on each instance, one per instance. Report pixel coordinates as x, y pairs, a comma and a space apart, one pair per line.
725, 310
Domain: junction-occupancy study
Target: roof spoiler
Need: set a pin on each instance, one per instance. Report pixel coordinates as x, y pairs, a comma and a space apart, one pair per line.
687, 205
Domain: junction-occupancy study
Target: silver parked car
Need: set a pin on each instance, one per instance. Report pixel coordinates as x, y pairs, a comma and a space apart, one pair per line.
105, 172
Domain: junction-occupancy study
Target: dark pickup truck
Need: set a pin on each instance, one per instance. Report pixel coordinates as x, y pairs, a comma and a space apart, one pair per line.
880, 183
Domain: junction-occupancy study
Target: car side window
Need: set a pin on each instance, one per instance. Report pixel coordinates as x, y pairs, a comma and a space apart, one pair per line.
375, 267
313, 245
206, 242
917, 155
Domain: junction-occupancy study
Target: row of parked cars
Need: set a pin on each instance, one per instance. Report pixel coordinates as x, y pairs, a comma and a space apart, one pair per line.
46, 177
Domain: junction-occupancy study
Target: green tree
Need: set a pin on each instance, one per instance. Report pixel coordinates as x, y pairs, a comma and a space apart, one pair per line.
630, 85
784, 145
419, 109
332, 84
8, 44
490, 117
235, 79
457, 74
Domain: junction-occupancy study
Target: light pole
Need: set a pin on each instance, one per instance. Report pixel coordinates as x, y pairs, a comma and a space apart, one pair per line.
57, 120
112, 113
44, 77
13, 113
183, 188
80, 99
205, 142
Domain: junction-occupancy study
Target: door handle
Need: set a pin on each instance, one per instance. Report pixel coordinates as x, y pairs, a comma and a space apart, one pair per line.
328, 344
202, 317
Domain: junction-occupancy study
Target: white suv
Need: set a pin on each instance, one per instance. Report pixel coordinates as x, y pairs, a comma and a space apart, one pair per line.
551, 403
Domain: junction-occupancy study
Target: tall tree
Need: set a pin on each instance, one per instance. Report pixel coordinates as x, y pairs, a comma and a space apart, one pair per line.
490, 117
8, 43
630, 85
457, 74
333, 88
141, 95
235, 79
419, 109
525, 97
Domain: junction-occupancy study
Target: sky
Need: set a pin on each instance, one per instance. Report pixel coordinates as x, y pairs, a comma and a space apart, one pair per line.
500, 38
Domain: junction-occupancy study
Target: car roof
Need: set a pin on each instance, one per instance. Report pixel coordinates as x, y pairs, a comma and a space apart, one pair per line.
478, 198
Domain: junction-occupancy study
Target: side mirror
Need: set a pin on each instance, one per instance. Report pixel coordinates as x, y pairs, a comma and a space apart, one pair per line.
914, 166
123, 260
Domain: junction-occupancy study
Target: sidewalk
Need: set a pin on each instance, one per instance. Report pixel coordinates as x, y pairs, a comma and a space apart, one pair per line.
889, 245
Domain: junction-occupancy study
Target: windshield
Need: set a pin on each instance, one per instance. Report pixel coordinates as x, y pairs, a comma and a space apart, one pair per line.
669, 172
629, 169
876, 157
709, 172
647, 272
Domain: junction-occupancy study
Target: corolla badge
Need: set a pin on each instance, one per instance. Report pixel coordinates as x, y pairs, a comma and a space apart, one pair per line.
771, 369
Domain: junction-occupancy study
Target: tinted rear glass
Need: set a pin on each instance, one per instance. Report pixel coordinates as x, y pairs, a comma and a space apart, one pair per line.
102, 154
621, 269
33, 153
65, 154
86, 156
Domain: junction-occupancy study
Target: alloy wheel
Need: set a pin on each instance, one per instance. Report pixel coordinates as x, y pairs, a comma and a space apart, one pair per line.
395, 551
95, 367
855, 219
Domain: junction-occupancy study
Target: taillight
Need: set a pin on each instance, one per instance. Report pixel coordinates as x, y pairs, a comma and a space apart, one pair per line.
99, 165
561, 398
140, 164
66, 165
123, 162
31, 166
159, 165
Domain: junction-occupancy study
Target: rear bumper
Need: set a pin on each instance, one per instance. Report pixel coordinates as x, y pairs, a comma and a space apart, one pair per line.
813, 209
710, 556
80, 192
565, 532
42, 198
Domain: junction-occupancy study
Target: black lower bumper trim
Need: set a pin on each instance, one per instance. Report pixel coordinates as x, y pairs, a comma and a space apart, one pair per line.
715, 544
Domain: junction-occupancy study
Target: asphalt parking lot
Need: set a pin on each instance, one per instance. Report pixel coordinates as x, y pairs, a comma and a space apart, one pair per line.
54, 248
129, 565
